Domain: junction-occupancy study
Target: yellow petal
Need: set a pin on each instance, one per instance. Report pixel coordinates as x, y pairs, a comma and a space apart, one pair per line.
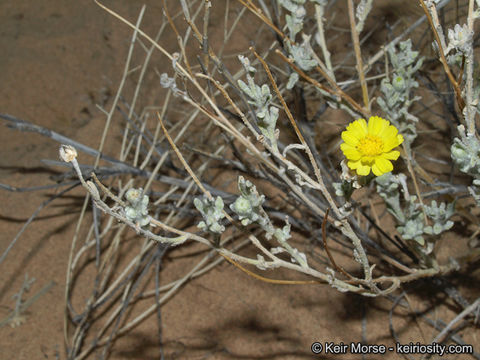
391, 155
349, 138
368, 160
382, 166
344, 146
354, 164
392, 142
376, 125
352, 154
363, 170
376, 171
400, 138
389, 132
358, 128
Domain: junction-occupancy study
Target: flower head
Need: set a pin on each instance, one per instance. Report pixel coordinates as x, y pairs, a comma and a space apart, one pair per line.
370, 146
67, 153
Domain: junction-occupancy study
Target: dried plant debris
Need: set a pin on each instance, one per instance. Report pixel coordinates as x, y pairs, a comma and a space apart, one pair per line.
18, 315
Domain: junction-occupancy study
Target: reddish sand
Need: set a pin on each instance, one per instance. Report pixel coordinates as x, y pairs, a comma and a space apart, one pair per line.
58, 60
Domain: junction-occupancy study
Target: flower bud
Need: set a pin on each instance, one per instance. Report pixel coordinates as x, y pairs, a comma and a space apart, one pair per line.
398, 83
67, 153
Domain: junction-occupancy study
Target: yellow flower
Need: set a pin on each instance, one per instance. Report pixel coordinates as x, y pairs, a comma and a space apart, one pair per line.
370, 146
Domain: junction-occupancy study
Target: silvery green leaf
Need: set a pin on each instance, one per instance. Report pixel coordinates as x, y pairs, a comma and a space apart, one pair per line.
168, 82
202, 225
292, 80
362, 11
272, 119
284, 233
294, 25
260, 98
291, 5
397, 92
130, 213
248, 206
277, 250
246, 221
388, 189
439, 214
475, 192
217, 228
465, 152
266, 93
145, 201
460, 38
437, 229
219, 203
428, 230
261, 114
242, 206
398, 83
413, 229
198, 204
246, 64
261, 263
137, 209
144, 221
448, 225
212, 213
244, 87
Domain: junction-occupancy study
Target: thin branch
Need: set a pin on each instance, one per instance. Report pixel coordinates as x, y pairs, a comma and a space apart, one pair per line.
441, 336
324, 237
358, 56
443, 60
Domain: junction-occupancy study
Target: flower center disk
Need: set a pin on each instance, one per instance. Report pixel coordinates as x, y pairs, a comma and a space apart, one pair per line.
370, 145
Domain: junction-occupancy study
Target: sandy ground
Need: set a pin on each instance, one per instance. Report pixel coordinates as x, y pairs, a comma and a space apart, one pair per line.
58, 60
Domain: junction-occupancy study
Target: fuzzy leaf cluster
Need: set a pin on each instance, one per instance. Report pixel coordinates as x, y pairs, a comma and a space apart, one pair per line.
168, 82
388, 189
282, 235
302, 56
212, 213
295, 18
465, 152
137, 207
475, 191
409, 215
460, 39
248, 206
300, 53
361, 13
396, 92
413, 226
260, 98
460, 44
439, 214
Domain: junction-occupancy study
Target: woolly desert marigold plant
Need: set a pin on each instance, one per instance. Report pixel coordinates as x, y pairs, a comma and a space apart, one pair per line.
370, 146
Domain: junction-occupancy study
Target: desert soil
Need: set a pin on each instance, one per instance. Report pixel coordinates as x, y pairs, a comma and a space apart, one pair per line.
59, 59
